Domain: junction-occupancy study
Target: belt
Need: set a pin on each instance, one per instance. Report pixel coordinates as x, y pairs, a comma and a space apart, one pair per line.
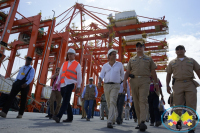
121, 94
184, 81
110, 83
142, 76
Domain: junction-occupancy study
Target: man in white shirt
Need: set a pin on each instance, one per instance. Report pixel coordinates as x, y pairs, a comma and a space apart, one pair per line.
113, 73
120, 101
69, 75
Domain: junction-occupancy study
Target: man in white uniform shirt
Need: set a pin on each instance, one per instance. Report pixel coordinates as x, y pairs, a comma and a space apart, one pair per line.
70, 74
112, 72
120, 101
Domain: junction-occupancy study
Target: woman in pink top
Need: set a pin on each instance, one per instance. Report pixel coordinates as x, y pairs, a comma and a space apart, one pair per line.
55, 95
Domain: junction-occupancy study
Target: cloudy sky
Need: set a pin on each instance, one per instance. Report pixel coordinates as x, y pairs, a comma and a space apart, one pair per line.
182, 15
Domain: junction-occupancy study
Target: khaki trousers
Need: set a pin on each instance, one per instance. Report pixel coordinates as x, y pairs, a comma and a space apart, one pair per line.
83, 110
55, 96
140, 92
185, 92
111, 94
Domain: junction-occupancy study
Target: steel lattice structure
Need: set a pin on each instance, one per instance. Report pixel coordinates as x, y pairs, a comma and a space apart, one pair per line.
91, 42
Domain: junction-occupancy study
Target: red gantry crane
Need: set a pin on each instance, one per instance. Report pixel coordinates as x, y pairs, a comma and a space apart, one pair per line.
91, 42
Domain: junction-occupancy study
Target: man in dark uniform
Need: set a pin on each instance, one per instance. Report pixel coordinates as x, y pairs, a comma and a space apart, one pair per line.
21, 84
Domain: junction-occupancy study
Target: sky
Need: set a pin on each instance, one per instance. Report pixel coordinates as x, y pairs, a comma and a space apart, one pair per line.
182, 15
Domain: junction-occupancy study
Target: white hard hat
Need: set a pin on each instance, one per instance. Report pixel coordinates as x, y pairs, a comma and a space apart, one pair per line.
112, 50
91, 78
71, 50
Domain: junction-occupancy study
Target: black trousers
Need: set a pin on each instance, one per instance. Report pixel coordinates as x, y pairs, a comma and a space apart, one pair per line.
16, 88
66, 95
132, 110
120, 104
153, 100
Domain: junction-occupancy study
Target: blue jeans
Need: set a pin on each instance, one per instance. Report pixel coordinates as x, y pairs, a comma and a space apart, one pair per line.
88, 111
66, 94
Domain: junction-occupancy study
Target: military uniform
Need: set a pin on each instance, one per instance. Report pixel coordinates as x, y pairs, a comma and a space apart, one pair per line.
103, 106
140, 67
184, 88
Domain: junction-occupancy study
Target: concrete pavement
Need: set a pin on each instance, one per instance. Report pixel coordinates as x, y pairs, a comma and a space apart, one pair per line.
37, 123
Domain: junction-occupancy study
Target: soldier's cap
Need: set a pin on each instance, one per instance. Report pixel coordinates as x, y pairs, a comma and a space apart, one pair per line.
180, 46
29, 58
112, 50
138, 43
91, 78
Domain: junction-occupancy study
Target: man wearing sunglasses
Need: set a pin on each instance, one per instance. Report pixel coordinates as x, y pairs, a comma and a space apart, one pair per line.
140, 68
184, 87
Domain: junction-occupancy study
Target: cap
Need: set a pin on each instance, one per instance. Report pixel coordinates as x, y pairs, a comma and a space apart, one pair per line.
139, 43
71, 50
91, 78
180, 46
29, 58
112, 50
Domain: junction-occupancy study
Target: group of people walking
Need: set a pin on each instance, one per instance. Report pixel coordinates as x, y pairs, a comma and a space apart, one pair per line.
145, 87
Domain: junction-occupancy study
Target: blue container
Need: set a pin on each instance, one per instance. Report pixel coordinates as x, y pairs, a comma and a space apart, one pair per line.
74, 111
95, 114
77, 111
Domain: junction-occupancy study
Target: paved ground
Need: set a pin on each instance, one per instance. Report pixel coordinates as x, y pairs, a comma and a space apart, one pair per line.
37, 123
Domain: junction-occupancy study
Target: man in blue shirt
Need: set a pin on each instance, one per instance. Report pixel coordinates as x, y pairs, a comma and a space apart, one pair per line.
89, 94
21, 84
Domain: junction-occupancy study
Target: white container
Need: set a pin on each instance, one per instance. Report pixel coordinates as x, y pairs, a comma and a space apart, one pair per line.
124, 15
6, 85
133, 42
46, 92
79, 102
133, 37
125, 22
